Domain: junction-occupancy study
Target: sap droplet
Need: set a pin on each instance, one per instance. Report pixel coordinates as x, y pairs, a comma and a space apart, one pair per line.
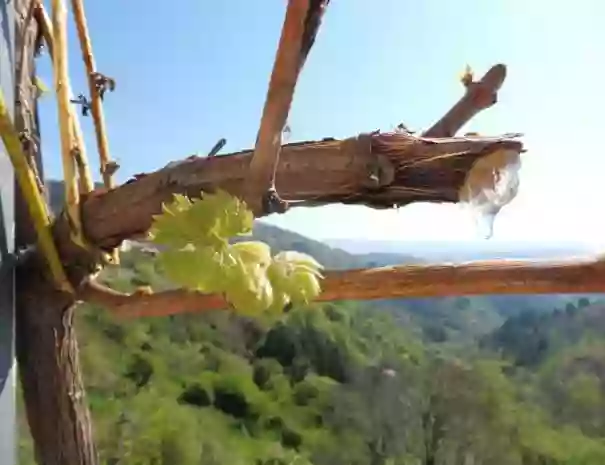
484, 224
491, 183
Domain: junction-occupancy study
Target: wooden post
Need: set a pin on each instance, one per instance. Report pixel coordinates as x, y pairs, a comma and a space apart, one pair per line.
46, 345
7, 322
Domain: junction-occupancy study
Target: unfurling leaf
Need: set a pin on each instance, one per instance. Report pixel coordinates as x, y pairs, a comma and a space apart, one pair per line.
196, 254
297, 274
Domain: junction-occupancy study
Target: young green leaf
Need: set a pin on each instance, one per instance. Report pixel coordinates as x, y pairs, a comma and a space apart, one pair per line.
196, 254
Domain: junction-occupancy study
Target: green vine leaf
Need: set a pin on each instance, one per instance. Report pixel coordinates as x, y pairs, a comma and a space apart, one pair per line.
193, 236
194, 269
297, 275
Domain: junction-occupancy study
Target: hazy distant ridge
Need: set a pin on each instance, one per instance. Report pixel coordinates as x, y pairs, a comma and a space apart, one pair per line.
442, 251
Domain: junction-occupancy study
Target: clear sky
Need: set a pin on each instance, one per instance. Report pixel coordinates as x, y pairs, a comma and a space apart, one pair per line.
193, 71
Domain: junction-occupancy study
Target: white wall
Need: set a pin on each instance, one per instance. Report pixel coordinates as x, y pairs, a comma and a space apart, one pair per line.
7, 361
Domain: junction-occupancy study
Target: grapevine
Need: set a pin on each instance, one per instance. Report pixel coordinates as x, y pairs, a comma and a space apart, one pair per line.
193, 237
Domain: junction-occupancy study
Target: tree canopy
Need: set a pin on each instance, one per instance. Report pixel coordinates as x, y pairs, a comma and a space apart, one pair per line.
348, 383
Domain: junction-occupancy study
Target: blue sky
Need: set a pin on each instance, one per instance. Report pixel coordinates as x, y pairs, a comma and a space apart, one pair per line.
193, 71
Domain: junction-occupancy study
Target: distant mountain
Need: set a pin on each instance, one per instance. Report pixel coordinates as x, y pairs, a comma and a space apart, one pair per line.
374, 259
444, 251
329, 256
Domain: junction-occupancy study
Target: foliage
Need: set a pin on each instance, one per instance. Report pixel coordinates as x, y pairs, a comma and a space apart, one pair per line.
197, 255
343, 383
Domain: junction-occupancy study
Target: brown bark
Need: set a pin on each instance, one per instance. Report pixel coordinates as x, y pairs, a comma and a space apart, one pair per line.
47, 350
396, 282
301, 24
479, 96
49, 367
377, 170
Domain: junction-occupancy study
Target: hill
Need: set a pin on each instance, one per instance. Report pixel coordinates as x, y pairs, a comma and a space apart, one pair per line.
529, 338
339, 383
464, 251
330, 257
563, 352
397, 382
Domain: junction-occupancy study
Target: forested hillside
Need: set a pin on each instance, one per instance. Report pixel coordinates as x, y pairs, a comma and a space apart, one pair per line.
499, 380
341, 383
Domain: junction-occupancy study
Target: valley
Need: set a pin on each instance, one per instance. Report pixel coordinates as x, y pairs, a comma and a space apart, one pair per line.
496, 380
